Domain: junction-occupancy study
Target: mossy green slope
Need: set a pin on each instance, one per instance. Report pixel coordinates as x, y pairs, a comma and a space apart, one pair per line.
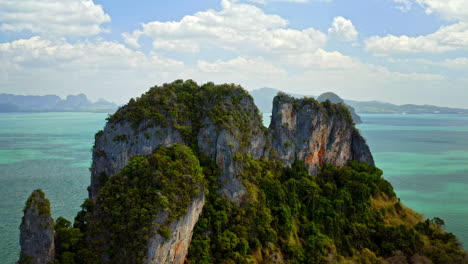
292, 217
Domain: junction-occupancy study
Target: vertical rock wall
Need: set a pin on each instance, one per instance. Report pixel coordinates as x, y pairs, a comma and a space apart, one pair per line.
315, 133
37, 231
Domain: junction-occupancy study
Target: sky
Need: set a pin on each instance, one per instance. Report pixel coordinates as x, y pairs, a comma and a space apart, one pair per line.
398, 51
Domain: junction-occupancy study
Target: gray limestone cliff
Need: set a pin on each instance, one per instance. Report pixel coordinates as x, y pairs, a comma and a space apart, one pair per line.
223, 140
37, 231
218, 137
316, 133
174, 249
221, 124
119, 142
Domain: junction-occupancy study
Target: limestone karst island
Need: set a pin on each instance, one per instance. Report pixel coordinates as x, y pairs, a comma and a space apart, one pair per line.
188, 173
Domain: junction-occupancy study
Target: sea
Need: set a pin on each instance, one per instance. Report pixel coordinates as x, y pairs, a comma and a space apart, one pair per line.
425, 157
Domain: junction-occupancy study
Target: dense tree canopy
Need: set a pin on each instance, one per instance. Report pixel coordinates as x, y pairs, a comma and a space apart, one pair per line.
286, 216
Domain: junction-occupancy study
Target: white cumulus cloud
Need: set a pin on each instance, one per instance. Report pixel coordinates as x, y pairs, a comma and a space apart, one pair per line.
60, 18
343, 29
98, 68
239, 43
236, 27
446, 38
241, 66
448, 9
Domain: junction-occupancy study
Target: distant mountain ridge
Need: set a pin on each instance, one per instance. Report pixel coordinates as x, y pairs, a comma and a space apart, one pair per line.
53, 103
263, 97
376, 107
332, 97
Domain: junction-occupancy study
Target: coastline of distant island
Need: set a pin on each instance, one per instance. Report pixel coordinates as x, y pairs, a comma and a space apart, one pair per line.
53, 103
264, 96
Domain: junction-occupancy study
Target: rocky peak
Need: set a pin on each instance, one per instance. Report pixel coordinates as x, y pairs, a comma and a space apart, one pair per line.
316, 133
36, 231
220, 121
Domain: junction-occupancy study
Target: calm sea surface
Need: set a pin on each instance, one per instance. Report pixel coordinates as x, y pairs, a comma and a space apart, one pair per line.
50, 151
425, 157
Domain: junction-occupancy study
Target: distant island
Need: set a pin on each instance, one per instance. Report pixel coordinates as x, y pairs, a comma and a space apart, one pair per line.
264, 96
53, 103
375, 107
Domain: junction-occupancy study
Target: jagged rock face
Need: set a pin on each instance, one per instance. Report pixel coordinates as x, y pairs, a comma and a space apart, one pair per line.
37, 231
220, 141
221, 145
309, 131
175, 248
119, 142
223, 127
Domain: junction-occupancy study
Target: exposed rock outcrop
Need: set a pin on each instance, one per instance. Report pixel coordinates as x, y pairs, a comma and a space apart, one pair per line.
175, 248
220, 123
37, 231
315, 133
222, 141
119, 142
222, 126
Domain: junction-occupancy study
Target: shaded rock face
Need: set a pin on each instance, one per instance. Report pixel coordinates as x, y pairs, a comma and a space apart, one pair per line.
120, 142
36, 231
221, 145
175, 248
315, 134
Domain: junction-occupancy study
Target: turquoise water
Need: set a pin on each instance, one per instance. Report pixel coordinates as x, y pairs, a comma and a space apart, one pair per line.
51, 151
425, 157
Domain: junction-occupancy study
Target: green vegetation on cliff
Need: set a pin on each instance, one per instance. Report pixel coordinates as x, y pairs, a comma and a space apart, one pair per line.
162, 183
183, 104
286, 216
338, 110
38, 200
131, 200
292, 217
